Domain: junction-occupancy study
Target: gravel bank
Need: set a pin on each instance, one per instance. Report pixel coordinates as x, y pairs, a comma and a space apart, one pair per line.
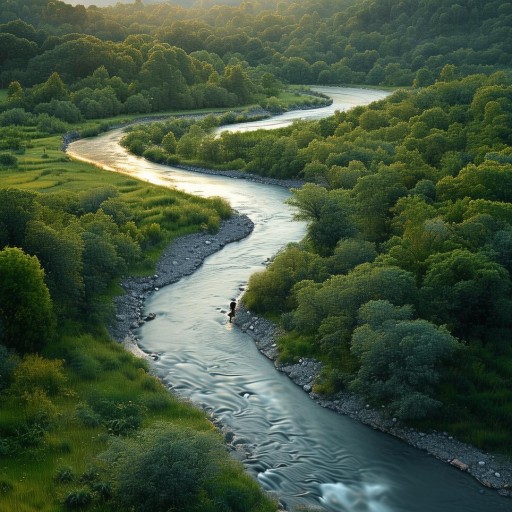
491, 471
181, 258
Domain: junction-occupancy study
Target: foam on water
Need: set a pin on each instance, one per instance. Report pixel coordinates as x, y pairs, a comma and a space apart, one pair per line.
340, 497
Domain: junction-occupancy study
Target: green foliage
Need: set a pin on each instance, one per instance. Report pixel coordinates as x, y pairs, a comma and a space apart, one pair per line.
8, 363
400, 359
8, 160
26, 310
78, 499
163, 468
36, 372
270, 290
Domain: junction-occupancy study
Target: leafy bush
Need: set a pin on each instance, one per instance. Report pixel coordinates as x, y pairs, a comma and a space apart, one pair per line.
164, 468
15, 117
64, 475
155, 154
35, 372
87, 416
8, 160
49, 124
78, 499
63, 110
39, 409
5, 487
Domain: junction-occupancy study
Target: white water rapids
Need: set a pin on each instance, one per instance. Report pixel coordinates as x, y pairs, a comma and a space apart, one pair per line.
306, 454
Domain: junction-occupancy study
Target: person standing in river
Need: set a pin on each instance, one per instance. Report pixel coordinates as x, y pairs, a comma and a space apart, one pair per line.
232, 306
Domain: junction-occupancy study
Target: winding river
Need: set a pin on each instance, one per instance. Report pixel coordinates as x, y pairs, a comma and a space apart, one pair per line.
306, 454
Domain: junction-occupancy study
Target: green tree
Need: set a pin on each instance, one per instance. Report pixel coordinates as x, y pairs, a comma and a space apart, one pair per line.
237, 81
17, 207
401, 359
53, 89
60, 253
468, 292
329, 214
26, 311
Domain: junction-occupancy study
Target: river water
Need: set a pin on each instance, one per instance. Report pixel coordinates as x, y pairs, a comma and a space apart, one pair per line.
306, 454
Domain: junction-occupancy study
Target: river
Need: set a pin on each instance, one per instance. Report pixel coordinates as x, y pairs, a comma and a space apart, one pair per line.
306, 454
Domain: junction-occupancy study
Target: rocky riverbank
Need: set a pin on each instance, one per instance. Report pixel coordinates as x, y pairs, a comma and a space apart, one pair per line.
181, 258
491, 471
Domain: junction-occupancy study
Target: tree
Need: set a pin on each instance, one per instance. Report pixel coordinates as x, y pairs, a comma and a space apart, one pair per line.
26, 310
17, 207
53, 89
237, 81
343, 295
400, 358
60, 254
468, 292
270, 290
329, 214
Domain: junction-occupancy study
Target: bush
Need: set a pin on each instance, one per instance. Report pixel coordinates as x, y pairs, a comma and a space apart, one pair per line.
78, 499
49, 124
15, 117
155, 154
164, 468
63, 110
39, 409
5, 487
8, 160
64, 475
87, 416
35, 372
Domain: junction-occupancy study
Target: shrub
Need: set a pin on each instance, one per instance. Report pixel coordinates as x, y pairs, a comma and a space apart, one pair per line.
5, 487
78, 499
164, 468
49, 124
152, 234
155, 154
87, 416
103, 490
8, 160
39, 409
64, 475
35, 372
15, 117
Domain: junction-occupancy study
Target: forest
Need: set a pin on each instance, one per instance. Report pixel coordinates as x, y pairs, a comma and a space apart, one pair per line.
402, 286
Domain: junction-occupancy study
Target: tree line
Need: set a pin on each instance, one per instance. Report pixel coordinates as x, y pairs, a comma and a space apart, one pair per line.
402, 285
317, 41
134, 58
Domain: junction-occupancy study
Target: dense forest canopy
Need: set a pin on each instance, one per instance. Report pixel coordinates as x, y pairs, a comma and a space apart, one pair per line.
316, 41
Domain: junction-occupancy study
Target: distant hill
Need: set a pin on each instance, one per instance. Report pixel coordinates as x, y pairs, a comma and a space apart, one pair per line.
183, 3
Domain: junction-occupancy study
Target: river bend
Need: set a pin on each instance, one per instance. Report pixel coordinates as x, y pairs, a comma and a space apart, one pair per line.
307, 454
